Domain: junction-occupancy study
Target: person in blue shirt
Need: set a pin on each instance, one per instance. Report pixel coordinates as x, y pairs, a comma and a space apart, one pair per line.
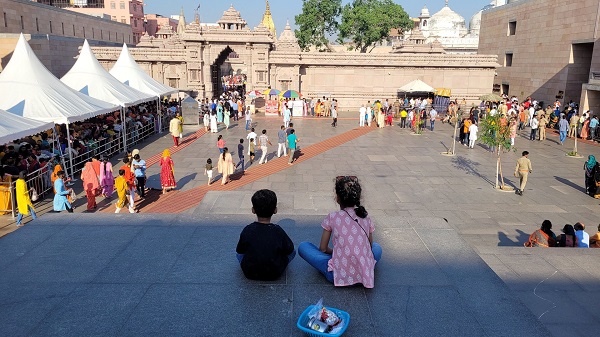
61, 201
593, 126
563, 128
292, 143
139, 170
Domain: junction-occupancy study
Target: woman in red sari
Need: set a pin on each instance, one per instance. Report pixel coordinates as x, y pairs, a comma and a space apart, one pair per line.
167, 172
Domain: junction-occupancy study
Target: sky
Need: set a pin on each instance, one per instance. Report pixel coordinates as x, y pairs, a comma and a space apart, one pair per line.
283, 10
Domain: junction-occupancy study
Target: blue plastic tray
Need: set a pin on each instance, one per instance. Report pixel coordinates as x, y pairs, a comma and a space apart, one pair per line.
303, 322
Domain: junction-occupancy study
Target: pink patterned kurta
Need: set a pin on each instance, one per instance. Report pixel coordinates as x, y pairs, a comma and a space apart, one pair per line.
352, 259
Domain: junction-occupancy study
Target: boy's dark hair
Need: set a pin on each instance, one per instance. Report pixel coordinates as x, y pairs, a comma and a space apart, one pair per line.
241, 140
136, 157
525, 153
252, 129
291, 125
264, 132
209, 161
292, 131
121, 172
125, 160
252, 139
264, 203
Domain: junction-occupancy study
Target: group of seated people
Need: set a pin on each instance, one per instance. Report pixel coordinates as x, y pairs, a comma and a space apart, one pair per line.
264, 249
573, 236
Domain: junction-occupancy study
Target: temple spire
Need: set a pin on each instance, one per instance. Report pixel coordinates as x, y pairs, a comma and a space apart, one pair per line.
267, 19
181, 24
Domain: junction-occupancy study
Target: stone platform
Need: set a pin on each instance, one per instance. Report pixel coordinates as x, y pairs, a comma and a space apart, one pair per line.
174, 275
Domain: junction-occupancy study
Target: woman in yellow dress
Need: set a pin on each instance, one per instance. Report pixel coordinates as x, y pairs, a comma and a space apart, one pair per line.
23, 200
5, 200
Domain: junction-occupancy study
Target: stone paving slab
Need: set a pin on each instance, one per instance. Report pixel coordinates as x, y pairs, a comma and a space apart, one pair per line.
178, 275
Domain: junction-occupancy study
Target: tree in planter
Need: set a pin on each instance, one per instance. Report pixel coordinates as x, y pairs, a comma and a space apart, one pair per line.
574, 153
495, 133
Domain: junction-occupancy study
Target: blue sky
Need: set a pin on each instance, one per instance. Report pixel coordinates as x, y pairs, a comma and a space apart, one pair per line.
252, 10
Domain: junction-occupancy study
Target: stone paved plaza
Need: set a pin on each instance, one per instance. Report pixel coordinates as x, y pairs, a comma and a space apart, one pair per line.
453, 261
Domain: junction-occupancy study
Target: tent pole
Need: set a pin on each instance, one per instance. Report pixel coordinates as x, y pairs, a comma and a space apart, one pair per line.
159, 114
124, 130
70, 154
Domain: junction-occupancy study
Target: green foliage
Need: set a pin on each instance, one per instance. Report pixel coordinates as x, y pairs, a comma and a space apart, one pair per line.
367, 22
318, 18
493, 134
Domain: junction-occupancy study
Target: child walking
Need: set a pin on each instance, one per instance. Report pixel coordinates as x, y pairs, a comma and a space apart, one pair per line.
122, 188
251, 147
208, 170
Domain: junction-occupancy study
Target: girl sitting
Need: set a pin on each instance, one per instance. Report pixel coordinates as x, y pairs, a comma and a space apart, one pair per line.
354, 254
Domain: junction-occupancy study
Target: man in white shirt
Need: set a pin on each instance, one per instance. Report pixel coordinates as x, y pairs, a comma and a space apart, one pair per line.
251, 135
363, 112
535, 123
432, 116
264, 142
473, 129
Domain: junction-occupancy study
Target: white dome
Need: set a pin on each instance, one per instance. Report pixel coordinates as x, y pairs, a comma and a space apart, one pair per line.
475, 23
424, 12
447, 23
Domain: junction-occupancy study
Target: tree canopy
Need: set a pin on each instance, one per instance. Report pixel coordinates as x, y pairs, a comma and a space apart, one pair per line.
367, 22
318, 18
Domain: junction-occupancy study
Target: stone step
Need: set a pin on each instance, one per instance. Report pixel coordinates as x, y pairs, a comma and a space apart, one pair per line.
141, 274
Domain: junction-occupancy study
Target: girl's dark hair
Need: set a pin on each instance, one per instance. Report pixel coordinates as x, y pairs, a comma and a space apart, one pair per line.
209, 161
224, 152
348, 191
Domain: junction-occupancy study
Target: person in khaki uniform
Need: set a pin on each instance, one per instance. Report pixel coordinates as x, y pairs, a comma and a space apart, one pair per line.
542, 127
522, 170
327, 107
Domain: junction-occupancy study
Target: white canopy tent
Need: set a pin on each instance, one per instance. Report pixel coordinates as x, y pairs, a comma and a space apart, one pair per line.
13, 127
30, 90
89, 77
129, 72
416, 86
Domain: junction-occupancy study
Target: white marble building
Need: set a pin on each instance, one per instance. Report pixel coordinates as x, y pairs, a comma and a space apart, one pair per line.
450, 29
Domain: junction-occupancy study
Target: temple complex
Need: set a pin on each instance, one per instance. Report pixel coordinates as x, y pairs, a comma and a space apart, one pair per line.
200, 59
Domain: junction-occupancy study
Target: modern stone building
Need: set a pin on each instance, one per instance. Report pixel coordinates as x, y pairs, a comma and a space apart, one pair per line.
197, 59
53, 33
130, 12
546, 49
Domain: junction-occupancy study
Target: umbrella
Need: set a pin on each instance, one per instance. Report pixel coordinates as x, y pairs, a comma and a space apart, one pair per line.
490, 98
290, 94
271, 92
254, 93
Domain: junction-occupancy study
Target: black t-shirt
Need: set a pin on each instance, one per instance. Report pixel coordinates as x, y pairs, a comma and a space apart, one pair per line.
266, 249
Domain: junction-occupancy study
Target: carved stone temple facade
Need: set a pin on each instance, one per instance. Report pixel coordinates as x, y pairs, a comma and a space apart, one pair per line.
196, 58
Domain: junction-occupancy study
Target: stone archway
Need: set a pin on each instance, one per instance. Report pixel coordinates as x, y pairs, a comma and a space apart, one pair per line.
217, 70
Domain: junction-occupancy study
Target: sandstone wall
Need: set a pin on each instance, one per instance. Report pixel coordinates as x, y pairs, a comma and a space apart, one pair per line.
547, 34
55, 35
